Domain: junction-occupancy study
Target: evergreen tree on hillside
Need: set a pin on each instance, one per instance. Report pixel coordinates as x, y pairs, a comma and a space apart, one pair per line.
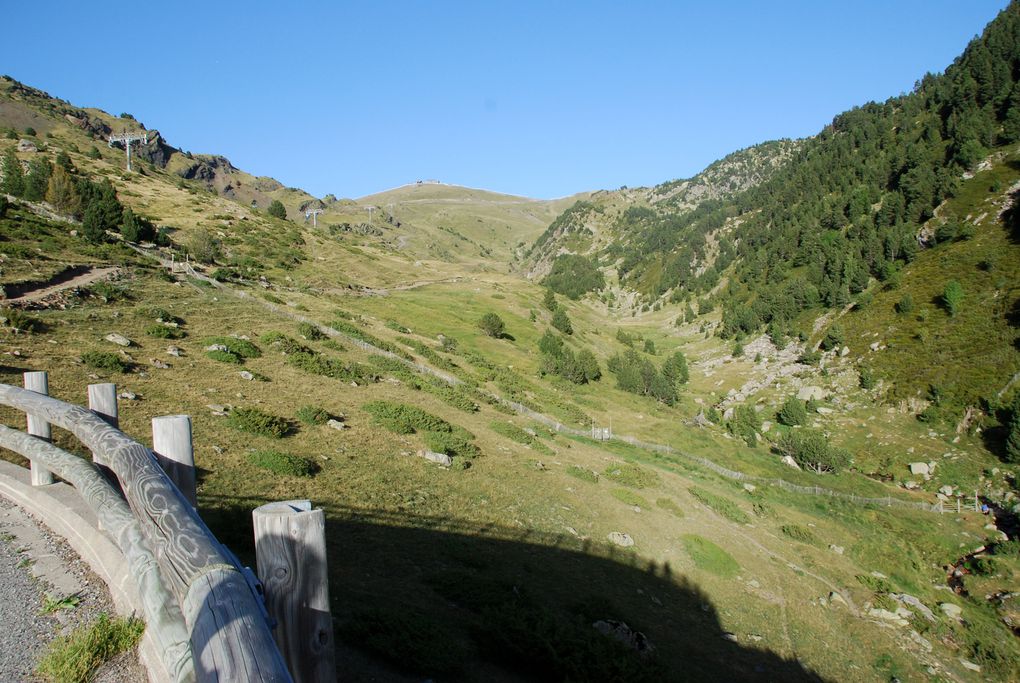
62, 194
561, 322
14, 175
39, 170
277, 209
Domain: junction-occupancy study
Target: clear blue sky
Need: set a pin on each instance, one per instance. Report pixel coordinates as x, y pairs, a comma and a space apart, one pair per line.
536, 98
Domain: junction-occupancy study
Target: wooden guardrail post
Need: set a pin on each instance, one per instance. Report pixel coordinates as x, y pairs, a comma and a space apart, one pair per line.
171, 442
39, 383
103, 402
290, 553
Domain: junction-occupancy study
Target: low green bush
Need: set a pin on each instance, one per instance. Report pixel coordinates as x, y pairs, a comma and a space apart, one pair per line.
19, 321
74, 658
798, 533
724, 506
239, 347
670, 506
256, 421
312, 415
224, 357
405, 419
628, 497
631, 475
105, 360
310, 332
583, 473
165, 332
283, 463
456, 443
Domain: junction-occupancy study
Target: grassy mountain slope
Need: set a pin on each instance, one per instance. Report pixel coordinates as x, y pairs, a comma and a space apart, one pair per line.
497, 568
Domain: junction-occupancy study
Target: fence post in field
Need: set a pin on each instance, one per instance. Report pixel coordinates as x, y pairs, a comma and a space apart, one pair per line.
39, 383
103, 402
171, 441
290, 554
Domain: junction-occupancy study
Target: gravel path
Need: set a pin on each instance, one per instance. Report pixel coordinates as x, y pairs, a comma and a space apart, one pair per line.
35, 563
25, 632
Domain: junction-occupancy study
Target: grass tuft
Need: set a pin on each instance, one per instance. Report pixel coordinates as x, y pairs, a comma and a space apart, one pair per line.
75, 657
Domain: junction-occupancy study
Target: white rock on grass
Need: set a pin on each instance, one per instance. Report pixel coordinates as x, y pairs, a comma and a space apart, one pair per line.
951, 610
809, 393
919, 468
245, 375
216, 347
118, 339
439, 458
789, 462
621, 539
336, 424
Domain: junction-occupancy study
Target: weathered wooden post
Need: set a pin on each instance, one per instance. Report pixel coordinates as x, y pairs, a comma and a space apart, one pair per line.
171, 442
39, 382
103, 402
290, 554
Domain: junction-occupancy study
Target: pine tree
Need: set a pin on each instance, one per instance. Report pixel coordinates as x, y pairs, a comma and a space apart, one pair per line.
62, 194
561, 322
38, 178
277, 209
14, 176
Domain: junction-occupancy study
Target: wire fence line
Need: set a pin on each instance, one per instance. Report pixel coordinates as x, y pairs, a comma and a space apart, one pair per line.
521, 409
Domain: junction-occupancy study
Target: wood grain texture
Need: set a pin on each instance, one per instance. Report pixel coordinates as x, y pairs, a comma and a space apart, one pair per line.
39, 383
103, 402
183, 546
171, 442
290, 549
163, 617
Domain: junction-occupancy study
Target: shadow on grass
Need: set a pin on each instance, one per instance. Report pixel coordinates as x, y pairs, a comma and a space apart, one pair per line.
429, 597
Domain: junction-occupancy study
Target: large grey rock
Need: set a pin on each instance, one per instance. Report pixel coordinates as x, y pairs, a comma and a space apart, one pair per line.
919, 468
951, 610
913, 603
336, 424
886, 615
245, 375
118, 339
621, 539
27, 146
789, 462
174, 351
439, 458
811, 393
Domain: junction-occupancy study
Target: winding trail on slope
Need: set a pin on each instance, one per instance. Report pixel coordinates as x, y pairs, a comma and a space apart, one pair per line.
38, 291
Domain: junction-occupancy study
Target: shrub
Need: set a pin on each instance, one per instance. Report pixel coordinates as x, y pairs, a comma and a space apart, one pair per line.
165, 332
905, 305
628, 497
456, 442
573, 276
952, 297
224, 357
833, 338
745, 424
709, 556
239, 347
670, 506
313, 415
867, 379
515, 433
310, 332
318, 364
792, 413
583, 474
105, 360
631, 475
492, 325
798, 533
561, 322
810, 449
277, 209
724, 506
256, 421
283, 463
19, 321
404, 419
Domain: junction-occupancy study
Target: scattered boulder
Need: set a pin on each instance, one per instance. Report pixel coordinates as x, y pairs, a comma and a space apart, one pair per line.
336, 424
216, 347
919, 468
838, 549
946, 490
128, 395
174, 351
157, 363
621, 539
750, 488
218, 409
970, 665
245, 375
789, 462
811, 393
765, 427
822, 410
118, 339
836, 599
914, 603
844, 352
951, 610
886, 615
441, 459
618, 630
27, 146
874, 346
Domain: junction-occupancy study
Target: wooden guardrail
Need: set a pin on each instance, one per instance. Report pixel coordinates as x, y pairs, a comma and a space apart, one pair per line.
205, 611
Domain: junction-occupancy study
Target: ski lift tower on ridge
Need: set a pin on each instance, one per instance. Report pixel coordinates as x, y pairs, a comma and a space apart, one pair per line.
127, 139
312, 213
